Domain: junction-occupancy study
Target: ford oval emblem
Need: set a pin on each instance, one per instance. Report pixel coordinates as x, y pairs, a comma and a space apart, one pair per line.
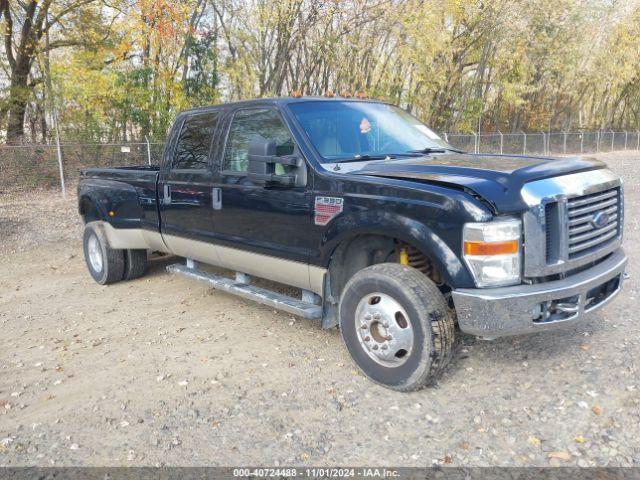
600, 219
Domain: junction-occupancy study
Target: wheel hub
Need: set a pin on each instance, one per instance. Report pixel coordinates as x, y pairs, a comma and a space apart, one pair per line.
95, 253
384, 330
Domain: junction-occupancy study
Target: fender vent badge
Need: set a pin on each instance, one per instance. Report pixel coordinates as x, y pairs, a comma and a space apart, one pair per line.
326, 208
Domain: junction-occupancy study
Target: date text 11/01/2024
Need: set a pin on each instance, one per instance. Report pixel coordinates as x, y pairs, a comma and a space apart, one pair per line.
316, 472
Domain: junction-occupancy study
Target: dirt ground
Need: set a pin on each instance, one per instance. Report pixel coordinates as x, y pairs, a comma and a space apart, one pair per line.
165, 371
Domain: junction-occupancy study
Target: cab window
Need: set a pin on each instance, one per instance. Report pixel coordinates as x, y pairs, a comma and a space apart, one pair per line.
248, 125
194, 142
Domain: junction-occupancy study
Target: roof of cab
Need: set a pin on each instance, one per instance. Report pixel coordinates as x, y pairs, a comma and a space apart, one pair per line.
280, 101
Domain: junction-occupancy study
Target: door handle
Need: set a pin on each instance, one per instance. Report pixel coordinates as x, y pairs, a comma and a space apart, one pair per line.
166, 197
216, 198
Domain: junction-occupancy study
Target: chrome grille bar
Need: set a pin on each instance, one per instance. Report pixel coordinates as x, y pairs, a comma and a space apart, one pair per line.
593, 198
596, 241
591, 208
588, 218
592, 233
586, 227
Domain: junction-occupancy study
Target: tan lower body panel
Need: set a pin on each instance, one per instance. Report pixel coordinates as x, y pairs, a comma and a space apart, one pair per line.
288, 272
277, 269
135, 238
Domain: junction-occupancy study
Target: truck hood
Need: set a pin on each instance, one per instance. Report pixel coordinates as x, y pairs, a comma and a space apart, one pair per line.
498, 179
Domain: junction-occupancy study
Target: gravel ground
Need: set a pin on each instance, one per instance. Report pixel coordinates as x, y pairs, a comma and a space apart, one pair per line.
164, 371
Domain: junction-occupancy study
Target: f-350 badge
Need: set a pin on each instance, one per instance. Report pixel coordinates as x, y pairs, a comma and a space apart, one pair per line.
327, 208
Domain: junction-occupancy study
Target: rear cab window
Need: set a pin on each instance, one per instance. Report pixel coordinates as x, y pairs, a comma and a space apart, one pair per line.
194, 142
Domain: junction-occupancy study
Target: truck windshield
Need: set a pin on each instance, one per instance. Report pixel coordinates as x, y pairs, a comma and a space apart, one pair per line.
348, 130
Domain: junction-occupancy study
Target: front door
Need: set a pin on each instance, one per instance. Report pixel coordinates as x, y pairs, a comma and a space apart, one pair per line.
185, 189
262, 229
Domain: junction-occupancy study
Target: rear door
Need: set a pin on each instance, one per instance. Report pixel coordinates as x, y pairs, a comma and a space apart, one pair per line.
185, 187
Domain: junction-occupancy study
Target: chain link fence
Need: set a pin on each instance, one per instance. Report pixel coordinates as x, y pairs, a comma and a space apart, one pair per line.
38, 166
546, 143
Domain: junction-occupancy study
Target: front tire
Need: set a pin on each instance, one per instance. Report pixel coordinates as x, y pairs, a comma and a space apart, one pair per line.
105, 264
396, 325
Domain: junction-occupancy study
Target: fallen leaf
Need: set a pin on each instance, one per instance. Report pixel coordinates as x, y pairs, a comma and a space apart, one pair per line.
535, 441
580, 439
561, 455
465, 446
596, 409
584, 347
448, 459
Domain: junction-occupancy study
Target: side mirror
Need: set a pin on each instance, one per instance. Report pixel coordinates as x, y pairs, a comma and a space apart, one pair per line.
262, 165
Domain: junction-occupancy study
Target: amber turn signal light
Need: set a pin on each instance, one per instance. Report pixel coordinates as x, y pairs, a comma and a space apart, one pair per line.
491, 248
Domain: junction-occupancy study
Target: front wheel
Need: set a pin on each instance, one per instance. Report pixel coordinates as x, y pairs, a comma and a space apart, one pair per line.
396, 325
105, 264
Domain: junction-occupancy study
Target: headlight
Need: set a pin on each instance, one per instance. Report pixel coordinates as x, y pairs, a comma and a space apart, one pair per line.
492, 251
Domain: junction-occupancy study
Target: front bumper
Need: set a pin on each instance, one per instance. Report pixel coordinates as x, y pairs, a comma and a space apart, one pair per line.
497, 312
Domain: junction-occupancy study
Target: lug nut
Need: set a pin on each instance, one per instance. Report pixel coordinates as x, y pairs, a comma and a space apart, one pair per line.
368, 317
375, 347
367, 338
377, 316
385, 325
384, 347
363, 326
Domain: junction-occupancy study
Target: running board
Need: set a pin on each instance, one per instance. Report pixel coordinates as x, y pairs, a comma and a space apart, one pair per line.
241, 288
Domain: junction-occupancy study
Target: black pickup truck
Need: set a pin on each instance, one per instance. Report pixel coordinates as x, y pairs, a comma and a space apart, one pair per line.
388, 232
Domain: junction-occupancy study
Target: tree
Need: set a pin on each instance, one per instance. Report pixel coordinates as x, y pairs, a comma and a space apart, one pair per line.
26, 24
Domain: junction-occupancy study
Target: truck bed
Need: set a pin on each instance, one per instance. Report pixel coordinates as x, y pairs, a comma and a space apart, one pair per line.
137, 173
129, 192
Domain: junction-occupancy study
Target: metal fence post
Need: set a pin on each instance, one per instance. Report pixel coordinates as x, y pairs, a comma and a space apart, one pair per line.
597, 141
637, 139
59, 151
475, 142
564, 142
446, 137
148, 149
501, 141
613, 139
626, 136
524, 143
544, 143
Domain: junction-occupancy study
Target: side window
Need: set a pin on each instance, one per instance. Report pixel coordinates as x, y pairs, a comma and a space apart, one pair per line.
249, 124
192, 148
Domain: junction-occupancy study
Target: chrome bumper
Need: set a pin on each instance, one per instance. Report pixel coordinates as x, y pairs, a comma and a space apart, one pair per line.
497, 312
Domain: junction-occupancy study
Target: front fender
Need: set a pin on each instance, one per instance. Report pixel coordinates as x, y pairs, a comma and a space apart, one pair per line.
408, 230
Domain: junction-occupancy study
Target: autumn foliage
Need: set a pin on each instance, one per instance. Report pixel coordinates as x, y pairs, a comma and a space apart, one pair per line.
121, 70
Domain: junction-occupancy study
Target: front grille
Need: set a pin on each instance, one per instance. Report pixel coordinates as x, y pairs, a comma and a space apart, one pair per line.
565, 226
593, 221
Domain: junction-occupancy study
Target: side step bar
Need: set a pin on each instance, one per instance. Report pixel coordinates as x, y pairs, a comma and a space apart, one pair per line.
242, 288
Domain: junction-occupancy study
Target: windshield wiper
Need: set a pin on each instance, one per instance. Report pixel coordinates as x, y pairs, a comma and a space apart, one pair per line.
366, 157
436, 150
